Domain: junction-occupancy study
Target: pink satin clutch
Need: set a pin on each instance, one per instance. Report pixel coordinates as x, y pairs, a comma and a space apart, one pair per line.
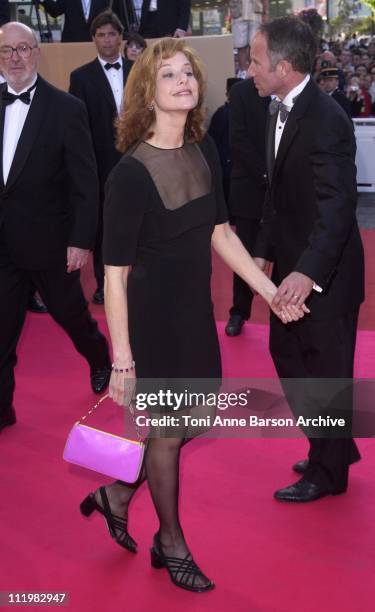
104, 452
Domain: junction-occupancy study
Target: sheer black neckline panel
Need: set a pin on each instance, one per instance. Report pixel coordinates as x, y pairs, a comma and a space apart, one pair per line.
180, 175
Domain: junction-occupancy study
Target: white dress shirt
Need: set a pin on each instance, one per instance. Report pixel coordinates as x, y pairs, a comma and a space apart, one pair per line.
86, 7
138, 8
116, 80
288, 102
153, 6
15, 117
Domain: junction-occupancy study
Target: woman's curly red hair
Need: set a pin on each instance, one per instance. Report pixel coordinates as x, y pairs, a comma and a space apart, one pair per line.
135, 119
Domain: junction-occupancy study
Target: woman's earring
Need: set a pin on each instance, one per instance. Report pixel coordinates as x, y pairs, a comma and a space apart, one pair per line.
150, 107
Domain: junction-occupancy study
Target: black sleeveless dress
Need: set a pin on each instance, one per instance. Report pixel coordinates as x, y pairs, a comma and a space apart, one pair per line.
160, 210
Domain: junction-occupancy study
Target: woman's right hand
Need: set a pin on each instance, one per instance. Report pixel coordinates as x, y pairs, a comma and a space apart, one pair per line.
122, 386
290, 313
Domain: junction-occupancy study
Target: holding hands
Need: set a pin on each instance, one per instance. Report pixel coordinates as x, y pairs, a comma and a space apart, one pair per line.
294, 290
288, 302
289, 313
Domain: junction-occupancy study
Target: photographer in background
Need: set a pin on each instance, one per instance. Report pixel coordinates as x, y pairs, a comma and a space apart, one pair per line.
360, 100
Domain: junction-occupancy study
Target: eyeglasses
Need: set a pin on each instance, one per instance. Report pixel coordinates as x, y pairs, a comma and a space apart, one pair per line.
23, 51
134, 47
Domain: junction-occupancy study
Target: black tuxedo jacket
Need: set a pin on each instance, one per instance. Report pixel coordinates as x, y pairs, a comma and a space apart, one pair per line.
171, 14
310, 214
4, 12
247, 129
76, 28
90, 84
50, 200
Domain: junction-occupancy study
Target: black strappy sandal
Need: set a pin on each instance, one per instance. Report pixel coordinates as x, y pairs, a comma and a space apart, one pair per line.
182, 572
114, 523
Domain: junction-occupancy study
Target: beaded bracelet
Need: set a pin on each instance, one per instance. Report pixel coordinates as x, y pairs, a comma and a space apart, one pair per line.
123, 370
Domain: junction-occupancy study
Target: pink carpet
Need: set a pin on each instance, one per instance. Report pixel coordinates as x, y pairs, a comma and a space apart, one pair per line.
263, 556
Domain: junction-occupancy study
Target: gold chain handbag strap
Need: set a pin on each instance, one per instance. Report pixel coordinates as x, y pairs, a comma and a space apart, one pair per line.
131, 409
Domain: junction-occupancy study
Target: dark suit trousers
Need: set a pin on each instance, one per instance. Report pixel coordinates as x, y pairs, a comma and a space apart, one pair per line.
247, 231
324, 349
62, 294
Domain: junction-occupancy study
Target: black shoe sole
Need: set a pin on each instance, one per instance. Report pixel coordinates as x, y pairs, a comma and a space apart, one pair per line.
232, 333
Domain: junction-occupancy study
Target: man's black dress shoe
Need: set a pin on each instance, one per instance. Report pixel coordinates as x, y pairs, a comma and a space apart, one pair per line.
98, 297
7, 417
301, 466
303, 491
234, 325
99, 378
35, 304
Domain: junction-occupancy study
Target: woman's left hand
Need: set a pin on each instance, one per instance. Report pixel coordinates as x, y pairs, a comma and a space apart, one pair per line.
122, 386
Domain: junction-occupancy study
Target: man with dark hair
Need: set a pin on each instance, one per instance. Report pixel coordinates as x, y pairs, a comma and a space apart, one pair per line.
48, 210
100, 84
311, 234
78, 14
247, 127
4, 12
164, 18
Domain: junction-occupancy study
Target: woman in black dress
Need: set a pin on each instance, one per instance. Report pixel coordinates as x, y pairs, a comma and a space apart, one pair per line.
164, 208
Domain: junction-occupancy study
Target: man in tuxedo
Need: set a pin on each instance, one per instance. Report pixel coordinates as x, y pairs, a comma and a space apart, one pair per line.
100, 85
311, 234
78, 14
247, 128
164, 18
48, 209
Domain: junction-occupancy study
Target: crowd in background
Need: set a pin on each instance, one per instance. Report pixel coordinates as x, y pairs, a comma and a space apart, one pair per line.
355, 63
353, 58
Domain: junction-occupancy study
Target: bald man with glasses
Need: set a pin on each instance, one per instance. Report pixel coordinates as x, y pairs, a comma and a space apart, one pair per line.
48, 210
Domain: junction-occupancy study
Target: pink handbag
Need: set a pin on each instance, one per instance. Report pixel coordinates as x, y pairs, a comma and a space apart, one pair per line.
104, 452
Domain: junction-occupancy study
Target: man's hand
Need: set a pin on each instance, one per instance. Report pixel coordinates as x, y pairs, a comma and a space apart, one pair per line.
294, 289
76, 258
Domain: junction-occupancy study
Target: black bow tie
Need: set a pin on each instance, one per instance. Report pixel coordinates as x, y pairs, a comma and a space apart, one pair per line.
116, 66
8, 98
277, 106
